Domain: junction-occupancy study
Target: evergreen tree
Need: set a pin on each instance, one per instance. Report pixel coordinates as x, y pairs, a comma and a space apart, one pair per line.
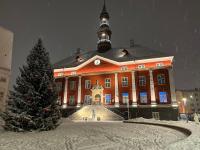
32, 105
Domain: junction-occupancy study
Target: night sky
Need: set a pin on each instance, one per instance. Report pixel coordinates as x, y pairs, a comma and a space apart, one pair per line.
170, 26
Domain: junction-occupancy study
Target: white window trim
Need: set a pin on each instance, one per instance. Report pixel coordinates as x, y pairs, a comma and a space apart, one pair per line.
124, 82
86, 97
161, 80
145, 81
86, 84
108, 82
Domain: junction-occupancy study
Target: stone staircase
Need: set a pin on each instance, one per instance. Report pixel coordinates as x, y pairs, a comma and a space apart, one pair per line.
95, 113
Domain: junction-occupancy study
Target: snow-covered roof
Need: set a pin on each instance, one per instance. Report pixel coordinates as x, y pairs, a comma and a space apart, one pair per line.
117, 54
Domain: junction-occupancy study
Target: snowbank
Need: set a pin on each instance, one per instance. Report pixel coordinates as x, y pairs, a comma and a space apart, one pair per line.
192, 142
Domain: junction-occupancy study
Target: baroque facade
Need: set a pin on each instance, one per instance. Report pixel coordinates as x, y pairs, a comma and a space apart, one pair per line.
135, 78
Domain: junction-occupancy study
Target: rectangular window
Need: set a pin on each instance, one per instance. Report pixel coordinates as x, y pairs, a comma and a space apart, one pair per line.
107, 83
72, 85
87, 84
58, 86
125, 98
163, 97
124, 81
71, 100
87, 100
142, 81
161, 79
143, 97
107, 98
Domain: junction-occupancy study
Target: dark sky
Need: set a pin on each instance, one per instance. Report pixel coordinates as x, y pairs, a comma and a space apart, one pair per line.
171, 26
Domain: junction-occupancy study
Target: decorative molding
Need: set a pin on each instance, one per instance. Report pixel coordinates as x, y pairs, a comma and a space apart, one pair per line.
143, 61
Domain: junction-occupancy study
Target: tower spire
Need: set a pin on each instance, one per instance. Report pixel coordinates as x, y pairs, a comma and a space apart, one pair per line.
104, 32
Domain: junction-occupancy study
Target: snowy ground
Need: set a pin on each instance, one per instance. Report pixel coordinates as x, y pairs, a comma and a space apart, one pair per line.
190, 143
93, 136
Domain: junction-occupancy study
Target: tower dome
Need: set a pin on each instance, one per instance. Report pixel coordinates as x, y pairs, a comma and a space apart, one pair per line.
104, 32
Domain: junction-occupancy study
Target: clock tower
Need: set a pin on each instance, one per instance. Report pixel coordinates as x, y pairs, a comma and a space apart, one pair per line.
104, 32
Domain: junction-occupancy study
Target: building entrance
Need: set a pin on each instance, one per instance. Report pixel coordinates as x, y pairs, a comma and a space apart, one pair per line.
97, 94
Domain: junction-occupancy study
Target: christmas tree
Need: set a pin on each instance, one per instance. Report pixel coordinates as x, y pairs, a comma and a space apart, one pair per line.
32, 105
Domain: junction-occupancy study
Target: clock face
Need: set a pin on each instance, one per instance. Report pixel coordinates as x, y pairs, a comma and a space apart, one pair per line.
97, 62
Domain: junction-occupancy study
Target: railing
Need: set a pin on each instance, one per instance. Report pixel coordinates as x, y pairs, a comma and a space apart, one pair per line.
103, 40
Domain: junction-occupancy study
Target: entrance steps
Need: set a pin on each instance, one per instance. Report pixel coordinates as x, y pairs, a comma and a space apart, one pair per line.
95, 113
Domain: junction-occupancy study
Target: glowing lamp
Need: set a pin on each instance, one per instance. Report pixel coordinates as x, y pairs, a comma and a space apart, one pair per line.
103, 34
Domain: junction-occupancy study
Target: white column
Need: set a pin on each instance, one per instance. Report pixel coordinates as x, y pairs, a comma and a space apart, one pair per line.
153, 97
172, 87
134, 97
116, 91
79, 91
65, 93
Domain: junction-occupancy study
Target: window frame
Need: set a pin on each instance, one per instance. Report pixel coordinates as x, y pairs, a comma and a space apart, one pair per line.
124, 82
86, 96
107, 83
142, 102
126, 101
161, 79
110, 99
142, 82
162, 102
87, 84
70, 98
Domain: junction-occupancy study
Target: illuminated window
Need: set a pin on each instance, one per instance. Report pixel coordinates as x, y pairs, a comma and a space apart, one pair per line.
107, 98
71, 100
124, 81
142, 81
107, 83
143, 97
72, 85
87, 84
125, 98
163, 97
161, 79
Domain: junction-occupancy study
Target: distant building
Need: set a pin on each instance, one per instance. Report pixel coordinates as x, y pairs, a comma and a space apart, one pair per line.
138, 78
188, 100
6, 44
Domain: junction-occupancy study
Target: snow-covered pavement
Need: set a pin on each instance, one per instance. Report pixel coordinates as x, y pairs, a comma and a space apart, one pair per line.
190, 143
93, 136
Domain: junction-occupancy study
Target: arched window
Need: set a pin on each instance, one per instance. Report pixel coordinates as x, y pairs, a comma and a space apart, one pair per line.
161, 79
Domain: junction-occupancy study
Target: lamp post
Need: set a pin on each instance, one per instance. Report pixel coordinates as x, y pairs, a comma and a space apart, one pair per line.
128, 108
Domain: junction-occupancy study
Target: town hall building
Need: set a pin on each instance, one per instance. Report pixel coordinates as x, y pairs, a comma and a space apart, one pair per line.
137, 80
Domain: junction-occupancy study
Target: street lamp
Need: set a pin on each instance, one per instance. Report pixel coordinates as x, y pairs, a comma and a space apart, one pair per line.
128, 108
